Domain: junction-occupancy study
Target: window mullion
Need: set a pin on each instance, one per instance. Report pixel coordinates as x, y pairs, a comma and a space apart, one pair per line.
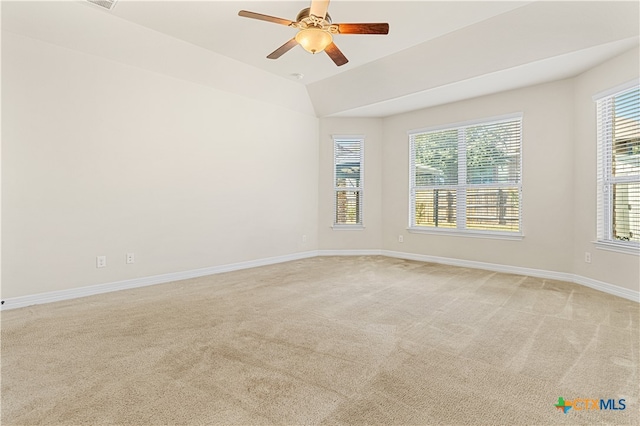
607, 169
412, 182
461, 192
465, 168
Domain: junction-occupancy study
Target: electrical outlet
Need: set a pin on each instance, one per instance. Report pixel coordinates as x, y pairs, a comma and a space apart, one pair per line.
131, 258
101, 261
400, 239
304, 239
587, 257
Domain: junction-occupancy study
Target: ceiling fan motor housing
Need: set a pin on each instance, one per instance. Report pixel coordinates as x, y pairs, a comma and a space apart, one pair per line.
305, 14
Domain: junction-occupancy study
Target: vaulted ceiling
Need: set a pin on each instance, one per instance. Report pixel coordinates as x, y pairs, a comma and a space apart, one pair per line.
436, 52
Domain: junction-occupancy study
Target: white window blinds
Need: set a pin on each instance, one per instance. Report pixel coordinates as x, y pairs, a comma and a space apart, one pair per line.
618, 132
467, 177
348, 157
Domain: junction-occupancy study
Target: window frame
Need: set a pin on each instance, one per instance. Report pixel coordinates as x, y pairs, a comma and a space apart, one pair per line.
360, 189
605, 180
462, 186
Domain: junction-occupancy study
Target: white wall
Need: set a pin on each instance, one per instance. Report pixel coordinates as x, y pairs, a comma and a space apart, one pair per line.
547, 208
615, 268
101, 158
104, 158
559, 173
90, 29
368, 238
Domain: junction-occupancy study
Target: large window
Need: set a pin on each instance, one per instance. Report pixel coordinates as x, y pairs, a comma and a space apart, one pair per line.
348, 155
618, 121
467, 178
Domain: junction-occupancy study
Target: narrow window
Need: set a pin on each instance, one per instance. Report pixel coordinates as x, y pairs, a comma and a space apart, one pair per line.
618, 122
348, 157
467, 178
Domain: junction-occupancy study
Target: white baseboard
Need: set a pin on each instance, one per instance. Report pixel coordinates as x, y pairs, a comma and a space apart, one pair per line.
607, 288
54, 296
539, 273
349, 252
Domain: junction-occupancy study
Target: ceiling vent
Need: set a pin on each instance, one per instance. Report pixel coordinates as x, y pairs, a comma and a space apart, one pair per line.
106, 4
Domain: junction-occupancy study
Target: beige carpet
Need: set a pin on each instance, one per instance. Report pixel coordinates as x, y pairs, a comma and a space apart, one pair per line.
327, 340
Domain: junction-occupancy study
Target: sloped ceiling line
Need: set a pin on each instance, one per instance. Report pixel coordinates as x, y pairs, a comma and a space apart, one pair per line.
436, 52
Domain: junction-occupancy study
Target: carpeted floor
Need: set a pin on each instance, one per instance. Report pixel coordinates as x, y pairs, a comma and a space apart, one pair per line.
327, 340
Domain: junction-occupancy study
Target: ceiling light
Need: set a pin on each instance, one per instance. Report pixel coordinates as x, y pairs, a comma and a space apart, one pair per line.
314, 40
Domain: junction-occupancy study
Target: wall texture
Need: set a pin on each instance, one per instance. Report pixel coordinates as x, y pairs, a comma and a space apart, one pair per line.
101, 158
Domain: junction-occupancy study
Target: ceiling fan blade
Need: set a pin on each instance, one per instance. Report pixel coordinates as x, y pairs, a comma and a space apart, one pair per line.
319, 8
261, 17
336, 55
379, 28
283, 49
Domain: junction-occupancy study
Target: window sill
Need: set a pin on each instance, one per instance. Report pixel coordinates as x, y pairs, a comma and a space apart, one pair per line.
466, 233
348, 227
618, 247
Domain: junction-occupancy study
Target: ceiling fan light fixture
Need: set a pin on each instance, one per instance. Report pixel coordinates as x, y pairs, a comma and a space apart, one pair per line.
315, 31
313, 39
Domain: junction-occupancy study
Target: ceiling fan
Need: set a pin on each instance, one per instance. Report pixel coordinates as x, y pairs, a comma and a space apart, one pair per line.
316, 31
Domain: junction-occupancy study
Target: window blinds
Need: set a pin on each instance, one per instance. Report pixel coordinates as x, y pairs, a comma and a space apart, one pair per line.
348, 185
467, 177
618, 133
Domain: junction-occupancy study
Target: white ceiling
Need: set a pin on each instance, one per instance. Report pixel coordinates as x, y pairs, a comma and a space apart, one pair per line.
436, 51
216, 26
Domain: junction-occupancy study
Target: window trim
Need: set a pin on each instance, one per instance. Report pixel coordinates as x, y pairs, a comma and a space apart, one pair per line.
618, 247
475, 233
604, 226
348, 226
460, 229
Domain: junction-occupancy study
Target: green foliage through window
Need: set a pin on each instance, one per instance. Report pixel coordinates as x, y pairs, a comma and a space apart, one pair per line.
467, 177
